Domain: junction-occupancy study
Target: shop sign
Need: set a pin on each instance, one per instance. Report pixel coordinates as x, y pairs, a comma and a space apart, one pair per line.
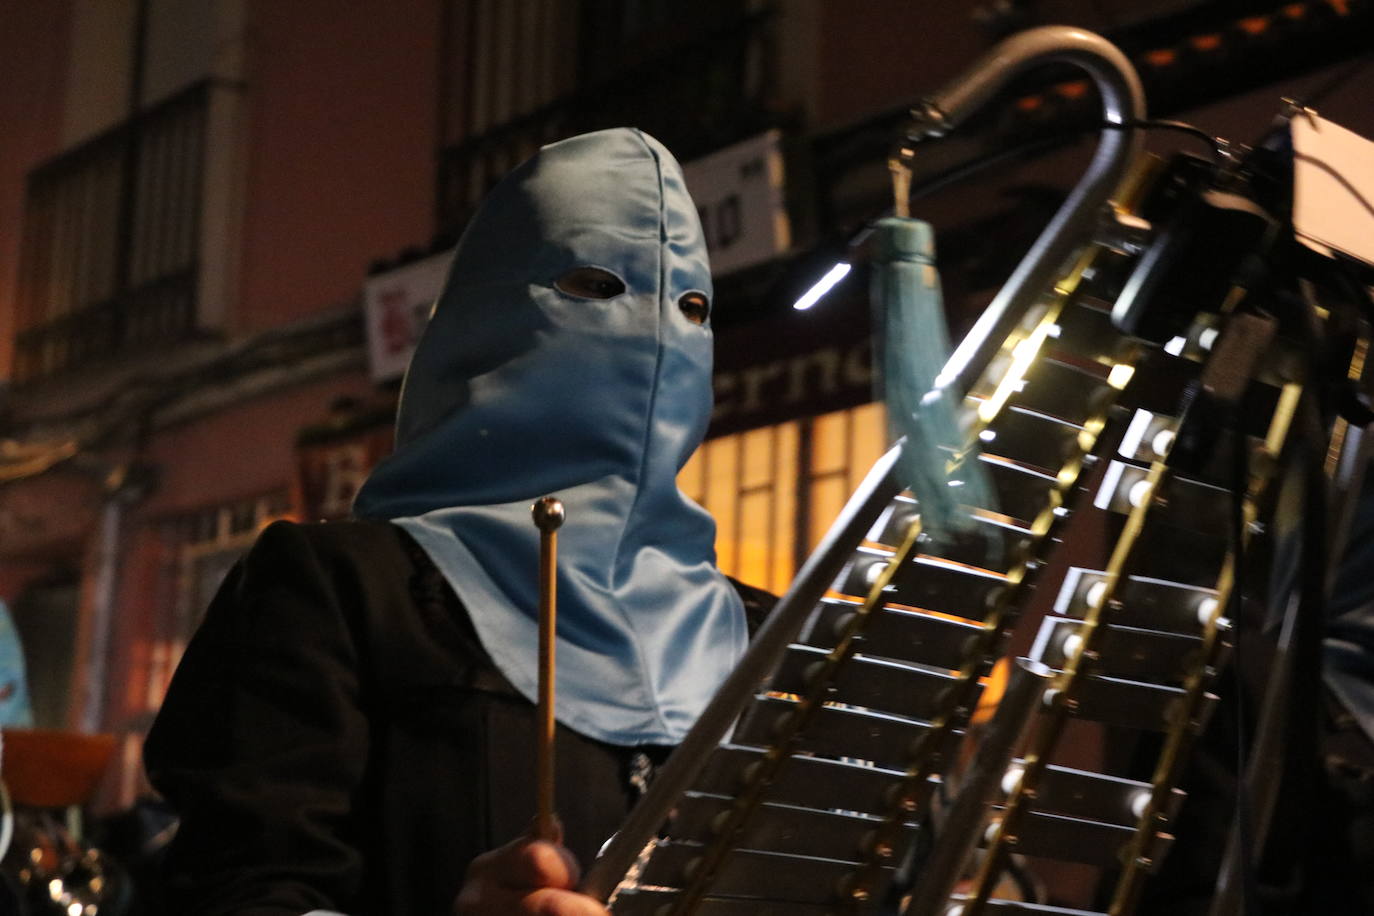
799, 365
397, 304
739, 196
1333, 183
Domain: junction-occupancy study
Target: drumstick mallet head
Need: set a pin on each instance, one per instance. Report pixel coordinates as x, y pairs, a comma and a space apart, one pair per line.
548, 514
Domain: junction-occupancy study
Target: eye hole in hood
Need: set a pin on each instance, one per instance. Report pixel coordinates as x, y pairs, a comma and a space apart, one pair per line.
695, 306
590, 283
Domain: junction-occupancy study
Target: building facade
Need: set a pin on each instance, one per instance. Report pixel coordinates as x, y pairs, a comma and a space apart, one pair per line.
220, 219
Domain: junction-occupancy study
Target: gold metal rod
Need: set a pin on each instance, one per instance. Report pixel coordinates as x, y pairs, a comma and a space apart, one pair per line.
548, 516
1060, 702
901, 186
1168, 767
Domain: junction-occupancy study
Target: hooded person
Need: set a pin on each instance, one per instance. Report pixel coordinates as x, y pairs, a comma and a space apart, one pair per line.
353, 723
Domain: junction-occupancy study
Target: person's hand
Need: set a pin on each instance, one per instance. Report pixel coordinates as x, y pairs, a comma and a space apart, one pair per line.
524, 878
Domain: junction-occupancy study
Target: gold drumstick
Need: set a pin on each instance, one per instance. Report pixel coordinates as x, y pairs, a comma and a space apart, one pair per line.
548, 516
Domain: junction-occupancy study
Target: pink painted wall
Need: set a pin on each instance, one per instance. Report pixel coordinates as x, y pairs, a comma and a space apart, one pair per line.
33, 58
342, 136
242, 451
880, 54
15, 576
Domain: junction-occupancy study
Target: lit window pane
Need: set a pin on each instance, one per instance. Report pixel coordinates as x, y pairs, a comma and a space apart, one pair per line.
828, 495
829, 442
722, 498
762, 496
758, 458
692, 478
785, 509
755, 544
868, 438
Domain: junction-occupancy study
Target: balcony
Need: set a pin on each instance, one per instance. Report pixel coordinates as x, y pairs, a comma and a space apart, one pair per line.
702, 95
108, 260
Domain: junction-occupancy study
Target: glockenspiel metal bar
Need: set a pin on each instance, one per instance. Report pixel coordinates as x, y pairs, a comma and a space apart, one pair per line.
1071, 839
895, 633
1131, 653
787, 829
1155, 604
810, 781
859, 734
747, 873
870, 683
643, 901
1096, 796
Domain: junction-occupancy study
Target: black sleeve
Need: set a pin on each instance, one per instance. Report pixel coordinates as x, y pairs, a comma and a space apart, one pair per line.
758, 604
262, 741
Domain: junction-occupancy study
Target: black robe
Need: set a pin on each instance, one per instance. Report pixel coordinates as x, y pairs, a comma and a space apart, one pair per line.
336, 738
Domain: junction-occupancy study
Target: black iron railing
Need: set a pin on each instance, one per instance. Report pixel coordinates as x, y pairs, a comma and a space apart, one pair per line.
704, 94
108, 262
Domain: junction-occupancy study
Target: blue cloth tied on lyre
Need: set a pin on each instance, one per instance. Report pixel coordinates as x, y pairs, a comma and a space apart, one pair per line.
937, 464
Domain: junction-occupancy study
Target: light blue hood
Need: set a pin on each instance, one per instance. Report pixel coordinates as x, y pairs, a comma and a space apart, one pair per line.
518, 390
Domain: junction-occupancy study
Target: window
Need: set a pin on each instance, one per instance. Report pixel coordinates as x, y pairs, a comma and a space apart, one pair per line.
111, 240
198, 550
620, 34
748, 481
695, 75
510, 60
774, 491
